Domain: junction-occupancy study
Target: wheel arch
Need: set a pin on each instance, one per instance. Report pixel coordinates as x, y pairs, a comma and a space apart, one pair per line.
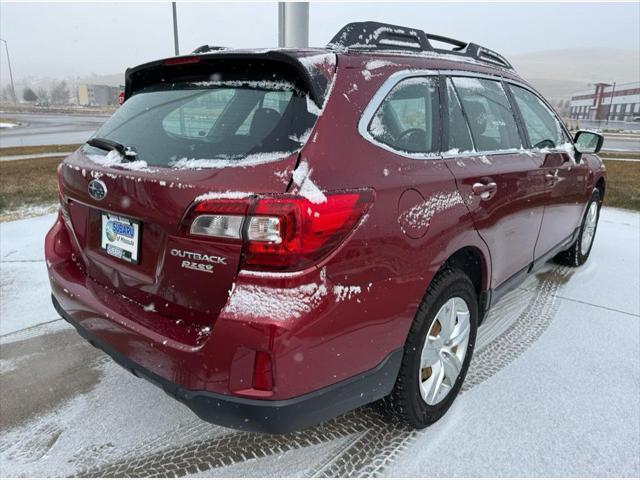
473, 262
601, 187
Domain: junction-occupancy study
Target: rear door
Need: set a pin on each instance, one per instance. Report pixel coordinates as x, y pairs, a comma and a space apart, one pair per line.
500, 183
564, 179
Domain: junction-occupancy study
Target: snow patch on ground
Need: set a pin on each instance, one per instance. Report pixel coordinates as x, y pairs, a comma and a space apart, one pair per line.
28, 211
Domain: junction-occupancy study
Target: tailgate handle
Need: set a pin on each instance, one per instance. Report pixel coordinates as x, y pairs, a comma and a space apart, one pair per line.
485, 190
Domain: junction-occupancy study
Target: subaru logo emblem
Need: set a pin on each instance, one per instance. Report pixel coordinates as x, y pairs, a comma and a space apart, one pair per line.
97, 189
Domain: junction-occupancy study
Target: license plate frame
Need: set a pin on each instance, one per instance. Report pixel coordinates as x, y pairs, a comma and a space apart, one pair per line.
120, 237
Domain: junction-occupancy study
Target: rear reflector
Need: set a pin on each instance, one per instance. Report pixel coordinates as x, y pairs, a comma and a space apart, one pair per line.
281, 233
263, 372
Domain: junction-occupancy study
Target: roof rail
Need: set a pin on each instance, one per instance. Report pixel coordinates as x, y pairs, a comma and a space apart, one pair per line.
383, 36
208, 48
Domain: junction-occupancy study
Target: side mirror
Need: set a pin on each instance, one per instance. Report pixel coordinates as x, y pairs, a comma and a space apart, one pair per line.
586, 141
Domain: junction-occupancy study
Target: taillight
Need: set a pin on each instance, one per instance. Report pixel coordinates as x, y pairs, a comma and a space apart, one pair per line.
219, 218
287, 233
281, 233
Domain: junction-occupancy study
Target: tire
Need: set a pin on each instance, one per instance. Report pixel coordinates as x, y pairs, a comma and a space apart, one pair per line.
579, 251
406, 402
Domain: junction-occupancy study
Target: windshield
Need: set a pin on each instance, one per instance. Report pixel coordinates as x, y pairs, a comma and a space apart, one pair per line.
209, 120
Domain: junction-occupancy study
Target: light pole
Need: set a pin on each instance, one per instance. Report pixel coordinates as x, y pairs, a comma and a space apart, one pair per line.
13, 88
293, 24
175, 29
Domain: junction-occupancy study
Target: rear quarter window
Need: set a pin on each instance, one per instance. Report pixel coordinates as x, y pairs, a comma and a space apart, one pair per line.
406, 120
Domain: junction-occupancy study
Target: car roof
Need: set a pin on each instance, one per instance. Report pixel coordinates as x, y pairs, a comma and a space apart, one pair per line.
366, 42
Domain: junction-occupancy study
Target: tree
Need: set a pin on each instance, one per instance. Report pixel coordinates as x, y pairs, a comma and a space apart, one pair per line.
29, 95
60, 93
6, 94
43, 95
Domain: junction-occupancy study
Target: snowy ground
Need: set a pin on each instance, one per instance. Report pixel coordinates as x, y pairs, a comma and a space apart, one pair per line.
554, 390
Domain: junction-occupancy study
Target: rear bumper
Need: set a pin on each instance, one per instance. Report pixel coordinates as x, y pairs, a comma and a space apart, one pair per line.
270, 416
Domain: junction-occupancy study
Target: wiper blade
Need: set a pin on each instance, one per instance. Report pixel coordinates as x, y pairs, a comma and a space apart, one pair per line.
127, 153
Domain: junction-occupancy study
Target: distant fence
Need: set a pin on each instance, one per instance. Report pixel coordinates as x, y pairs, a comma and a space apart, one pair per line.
574, 124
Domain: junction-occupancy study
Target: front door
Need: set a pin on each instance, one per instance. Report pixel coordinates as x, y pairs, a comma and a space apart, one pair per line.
564, 179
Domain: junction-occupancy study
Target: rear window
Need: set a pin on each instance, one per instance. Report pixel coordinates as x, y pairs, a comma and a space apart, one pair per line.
169, 124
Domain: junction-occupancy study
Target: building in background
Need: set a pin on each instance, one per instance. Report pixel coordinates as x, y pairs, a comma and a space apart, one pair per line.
607, 102
97, 95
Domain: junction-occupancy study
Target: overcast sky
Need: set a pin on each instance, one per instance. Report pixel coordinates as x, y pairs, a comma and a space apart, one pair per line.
77, 39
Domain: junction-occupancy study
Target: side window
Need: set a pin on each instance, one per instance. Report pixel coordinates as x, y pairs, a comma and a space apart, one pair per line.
487, 107
276, 100
195, 118
542, 126
459, 138
407, 118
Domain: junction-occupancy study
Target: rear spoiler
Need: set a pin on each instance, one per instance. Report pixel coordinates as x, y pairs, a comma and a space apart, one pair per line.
160, 71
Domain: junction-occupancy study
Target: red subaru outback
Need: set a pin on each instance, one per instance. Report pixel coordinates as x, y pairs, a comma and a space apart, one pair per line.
275, 237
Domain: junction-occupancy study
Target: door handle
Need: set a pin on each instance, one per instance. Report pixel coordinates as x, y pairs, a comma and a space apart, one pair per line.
552, 178
484, 190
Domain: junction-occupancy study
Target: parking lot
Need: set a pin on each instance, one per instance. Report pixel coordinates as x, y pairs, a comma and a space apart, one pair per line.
553, 390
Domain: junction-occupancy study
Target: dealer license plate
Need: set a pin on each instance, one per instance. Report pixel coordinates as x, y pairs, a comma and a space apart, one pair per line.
120, 237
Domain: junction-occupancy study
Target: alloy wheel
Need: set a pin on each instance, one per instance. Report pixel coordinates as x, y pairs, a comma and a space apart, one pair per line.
589, 229
444, 350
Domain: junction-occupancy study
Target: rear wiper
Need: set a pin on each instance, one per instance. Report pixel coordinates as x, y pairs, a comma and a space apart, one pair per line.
128, 153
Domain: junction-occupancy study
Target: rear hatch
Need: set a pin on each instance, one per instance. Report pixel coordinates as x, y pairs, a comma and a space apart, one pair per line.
213, 127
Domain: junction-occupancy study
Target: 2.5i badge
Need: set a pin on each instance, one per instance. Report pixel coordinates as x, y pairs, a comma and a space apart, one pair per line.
120, 237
